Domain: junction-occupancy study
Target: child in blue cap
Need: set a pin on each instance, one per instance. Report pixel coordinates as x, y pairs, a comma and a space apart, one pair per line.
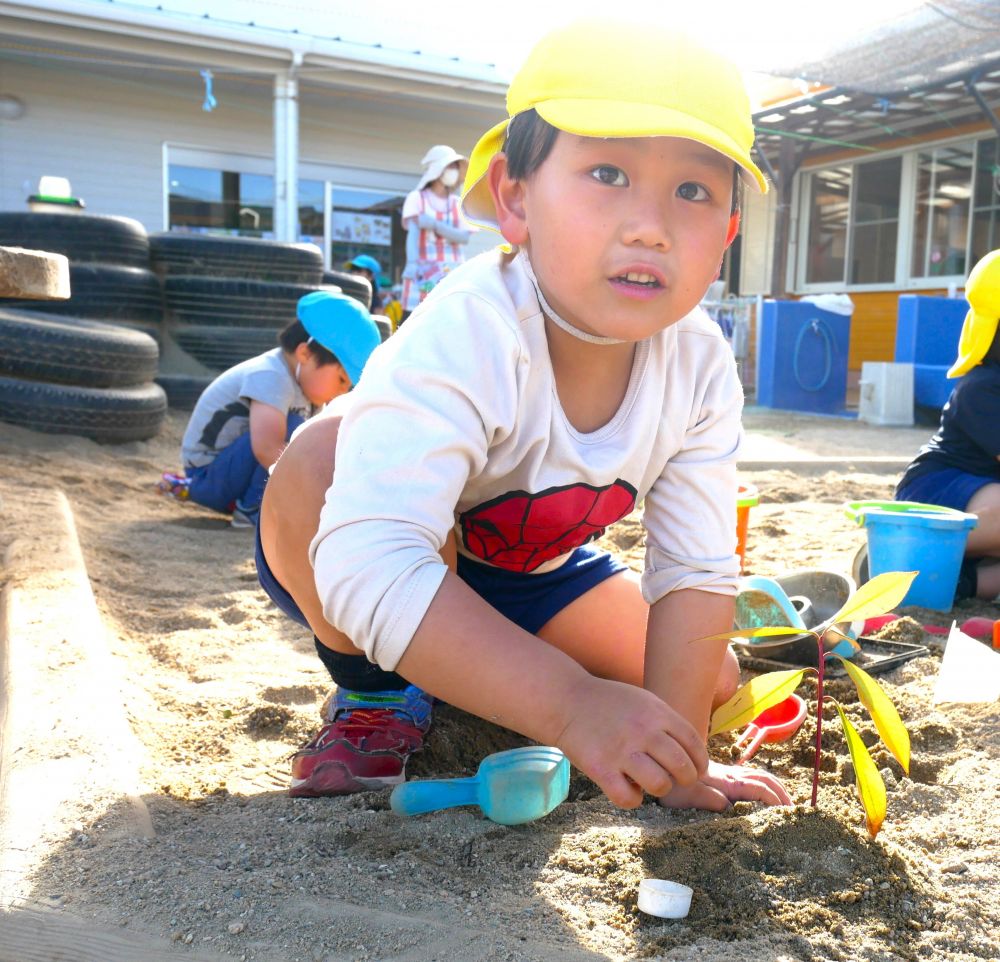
371, 270
244, 418
538, 395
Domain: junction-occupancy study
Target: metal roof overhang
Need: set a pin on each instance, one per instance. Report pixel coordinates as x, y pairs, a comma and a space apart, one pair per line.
929, 70
71, 31
843, 118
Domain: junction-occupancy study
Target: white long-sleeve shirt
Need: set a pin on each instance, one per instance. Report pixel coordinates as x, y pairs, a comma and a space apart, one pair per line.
456, 423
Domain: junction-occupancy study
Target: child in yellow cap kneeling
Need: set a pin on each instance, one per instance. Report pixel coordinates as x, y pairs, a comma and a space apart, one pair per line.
960, 466
536, 397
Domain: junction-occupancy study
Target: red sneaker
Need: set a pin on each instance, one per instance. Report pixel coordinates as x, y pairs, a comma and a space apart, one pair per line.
362, 749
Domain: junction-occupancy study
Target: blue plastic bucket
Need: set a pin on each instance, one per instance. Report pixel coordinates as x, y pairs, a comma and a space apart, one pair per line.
907, 536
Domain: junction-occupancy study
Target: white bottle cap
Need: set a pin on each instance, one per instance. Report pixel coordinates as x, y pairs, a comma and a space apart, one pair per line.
666, 900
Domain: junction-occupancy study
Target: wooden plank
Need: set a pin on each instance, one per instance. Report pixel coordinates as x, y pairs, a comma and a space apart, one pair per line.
35, 934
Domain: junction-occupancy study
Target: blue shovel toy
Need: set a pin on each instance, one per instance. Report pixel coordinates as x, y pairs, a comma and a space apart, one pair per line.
510, 787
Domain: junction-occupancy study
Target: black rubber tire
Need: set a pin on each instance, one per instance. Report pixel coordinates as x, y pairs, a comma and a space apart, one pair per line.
111, 415
103, 292
232, 302
174, 253
83, 238
48, 348
183, 390
222, 347
351, 284
384, 326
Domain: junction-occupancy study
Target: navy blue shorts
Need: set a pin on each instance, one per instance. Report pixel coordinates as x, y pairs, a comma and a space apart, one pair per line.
274, 589
949, 488
527, 600
531, 600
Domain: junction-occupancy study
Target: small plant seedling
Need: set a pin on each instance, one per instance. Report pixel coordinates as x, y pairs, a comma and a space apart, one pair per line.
875, 597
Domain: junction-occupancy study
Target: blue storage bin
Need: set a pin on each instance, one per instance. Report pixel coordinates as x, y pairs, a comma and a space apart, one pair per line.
927, 330
802, 358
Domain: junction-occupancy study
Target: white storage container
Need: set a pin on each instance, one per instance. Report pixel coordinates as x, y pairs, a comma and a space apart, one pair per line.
886, 393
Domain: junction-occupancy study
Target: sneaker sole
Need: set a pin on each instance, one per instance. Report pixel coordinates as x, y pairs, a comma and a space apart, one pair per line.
334, 779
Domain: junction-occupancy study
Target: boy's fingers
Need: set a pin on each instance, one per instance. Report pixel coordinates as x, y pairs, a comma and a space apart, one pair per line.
700, 796
774, 792
679, 730
649, 774
621, 790
671, 755
754, 785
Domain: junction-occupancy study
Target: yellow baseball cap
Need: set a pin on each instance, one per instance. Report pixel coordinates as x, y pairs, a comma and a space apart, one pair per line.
601, 79
982, 291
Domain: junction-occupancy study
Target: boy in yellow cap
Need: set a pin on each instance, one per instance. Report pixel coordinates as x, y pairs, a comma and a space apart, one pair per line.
536, 397
960, 466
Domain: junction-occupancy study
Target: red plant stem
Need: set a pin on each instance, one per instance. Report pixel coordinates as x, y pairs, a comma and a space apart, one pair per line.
819, 718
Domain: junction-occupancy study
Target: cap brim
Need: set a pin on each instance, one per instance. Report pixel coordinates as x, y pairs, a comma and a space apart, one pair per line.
477, 202
978, 331
590, 118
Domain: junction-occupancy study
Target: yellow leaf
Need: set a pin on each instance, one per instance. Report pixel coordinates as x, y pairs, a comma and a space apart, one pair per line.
877, 596
756, 633
871, 788
883, 713
756, 695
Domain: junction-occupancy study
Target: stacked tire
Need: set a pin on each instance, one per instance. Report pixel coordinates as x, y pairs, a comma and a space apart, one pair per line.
85, 365
228, 297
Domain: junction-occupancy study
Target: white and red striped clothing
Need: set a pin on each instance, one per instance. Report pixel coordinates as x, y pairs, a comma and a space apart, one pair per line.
435, 256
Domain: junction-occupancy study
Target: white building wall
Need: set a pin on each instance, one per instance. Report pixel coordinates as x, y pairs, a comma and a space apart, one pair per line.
106, 130
757, 230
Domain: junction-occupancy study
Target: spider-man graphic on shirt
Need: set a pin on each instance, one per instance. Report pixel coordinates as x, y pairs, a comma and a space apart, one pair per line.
519, 531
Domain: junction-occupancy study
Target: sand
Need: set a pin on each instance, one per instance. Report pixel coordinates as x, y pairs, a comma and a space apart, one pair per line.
220, 689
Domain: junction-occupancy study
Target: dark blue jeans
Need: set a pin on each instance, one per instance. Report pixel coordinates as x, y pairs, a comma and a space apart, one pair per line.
235, 477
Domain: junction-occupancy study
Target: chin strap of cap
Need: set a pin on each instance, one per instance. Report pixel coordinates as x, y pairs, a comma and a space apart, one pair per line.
560, 321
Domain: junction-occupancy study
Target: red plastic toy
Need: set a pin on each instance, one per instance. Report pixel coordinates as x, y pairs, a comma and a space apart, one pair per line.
775, 724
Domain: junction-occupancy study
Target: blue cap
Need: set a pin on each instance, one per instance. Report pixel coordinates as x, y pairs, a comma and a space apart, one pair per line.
341, 325
368, 263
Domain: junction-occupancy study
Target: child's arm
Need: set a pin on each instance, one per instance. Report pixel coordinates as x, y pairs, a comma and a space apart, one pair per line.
457, 235
268, 427
625, 738
684, 671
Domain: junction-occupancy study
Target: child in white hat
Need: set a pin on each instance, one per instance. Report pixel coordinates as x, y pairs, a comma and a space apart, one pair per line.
436, 231
536, 397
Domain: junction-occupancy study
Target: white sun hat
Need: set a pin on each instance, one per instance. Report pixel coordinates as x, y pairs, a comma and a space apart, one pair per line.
435, 161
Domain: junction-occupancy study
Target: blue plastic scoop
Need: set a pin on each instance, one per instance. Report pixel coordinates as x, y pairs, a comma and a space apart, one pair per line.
762, 602
510, 787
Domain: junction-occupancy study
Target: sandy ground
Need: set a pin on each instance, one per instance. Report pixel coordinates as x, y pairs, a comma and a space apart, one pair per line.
220, 689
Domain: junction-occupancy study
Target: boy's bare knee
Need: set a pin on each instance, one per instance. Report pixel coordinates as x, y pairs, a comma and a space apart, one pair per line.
729, 679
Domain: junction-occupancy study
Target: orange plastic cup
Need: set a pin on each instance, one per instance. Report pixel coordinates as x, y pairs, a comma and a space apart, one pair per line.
746, 498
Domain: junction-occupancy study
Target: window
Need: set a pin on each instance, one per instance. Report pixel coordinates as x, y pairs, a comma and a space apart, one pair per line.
875, 222
367, 222
346, 211
854, 223
941, 227
828, 205
311, 205
221, 201
986, 201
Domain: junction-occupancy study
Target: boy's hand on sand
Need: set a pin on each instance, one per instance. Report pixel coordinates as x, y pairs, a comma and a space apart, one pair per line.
629, 741
722, 785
